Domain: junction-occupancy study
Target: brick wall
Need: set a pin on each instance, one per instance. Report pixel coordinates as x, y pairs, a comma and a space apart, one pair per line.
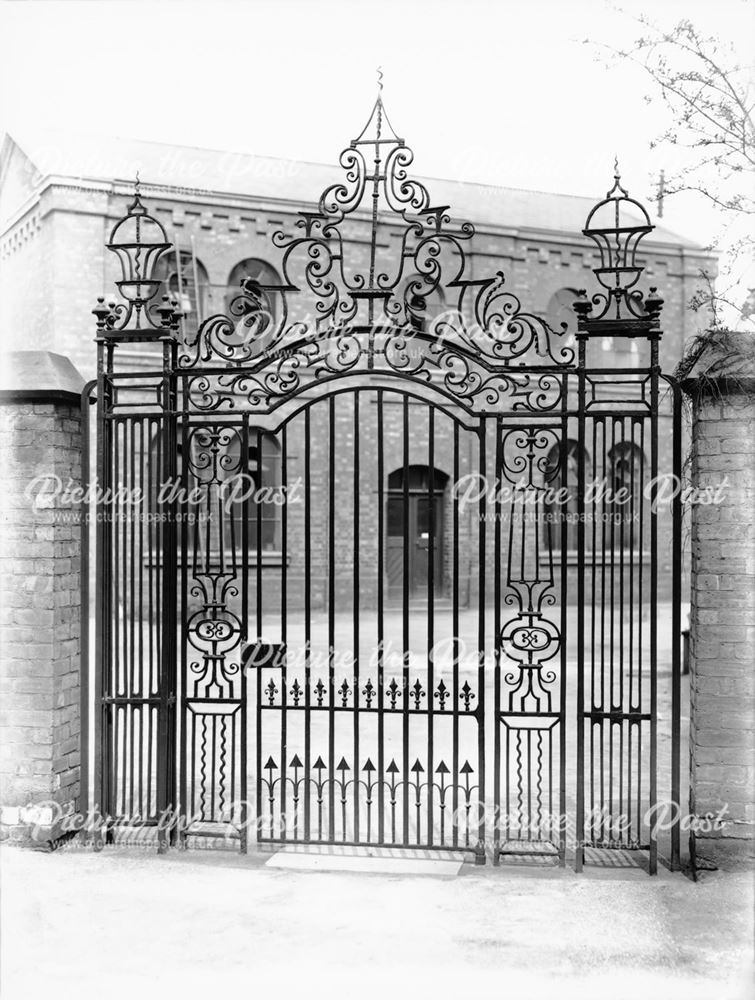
39, 601
722, 724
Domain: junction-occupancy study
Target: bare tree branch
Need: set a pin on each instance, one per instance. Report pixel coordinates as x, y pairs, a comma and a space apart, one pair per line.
709, 98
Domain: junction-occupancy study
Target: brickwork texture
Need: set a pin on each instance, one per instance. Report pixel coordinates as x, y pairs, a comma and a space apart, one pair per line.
722, 640
39, 604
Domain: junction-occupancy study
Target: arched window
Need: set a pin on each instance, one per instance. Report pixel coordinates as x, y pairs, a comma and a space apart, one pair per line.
184, 277
561, 310
262, 483
422, 310
625, 467
223, 481
259, 271
563, 473
418, 479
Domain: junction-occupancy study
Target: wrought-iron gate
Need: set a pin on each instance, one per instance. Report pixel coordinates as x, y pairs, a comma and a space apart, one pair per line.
391, 532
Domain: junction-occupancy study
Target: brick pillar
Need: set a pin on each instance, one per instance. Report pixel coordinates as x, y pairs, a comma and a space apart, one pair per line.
722, 617
40, 435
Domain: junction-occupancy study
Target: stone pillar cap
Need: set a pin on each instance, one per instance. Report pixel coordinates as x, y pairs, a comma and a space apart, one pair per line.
38, 375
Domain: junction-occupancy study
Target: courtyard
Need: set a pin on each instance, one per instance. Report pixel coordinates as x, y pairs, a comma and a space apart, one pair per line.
124, 923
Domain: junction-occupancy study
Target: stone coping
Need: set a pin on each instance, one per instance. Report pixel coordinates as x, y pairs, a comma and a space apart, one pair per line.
38, 377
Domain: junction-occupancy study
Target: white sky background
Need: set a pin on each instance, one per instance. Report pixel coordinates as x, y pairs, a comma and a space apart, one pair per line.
502, 92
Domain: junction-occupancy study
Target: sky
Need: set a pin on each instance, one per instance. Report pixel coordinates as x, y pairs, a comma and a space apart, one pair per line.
504, 92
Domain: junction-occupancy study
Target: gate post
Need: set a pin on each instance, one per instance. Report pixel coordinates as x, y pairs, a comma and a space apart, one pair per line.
722, 617
40, 447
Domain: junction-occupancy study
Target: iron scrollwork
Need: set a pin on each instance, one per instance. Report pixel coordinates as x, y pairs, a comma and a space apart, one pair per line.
374, 317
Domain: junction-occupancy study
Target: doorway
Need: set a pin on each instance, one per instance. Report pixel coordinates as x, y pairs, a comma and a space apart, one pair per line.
414, 518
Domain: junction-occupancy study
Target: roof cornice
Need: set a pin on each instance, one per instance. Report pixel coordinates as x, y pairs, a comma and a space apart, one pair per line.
183, 195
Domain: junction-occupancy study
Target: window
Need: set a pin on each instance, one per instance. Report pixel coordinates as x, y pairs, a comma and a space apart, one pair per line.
263, 467
419, 479
418, 520
556, 478
260, 272
421, 310
620, 352
561, 310
215, 470
625, 472
184, 277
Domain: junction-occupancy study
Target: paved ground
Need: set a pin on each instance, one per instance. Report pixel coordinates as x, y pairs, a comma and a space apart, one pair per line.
124, 923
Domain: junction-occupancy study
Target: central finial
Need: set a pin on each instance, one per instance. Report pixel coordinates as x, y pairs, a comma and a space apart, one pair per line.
380, 78
618, 190
136, 207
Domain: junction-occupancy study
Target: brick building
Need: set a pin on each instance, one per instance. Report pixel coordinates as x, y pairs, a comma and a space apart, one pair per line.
59, 202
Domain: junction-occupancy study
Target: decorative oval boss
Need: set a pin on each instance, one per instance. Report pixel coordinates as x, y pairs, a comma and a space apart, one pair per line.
530, 638
217, 631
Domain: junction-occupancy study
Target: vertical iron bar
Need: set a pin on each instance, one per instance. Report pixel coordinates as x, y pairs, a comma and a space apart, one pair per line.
132, 687
430, 620
632, 610
640, 705
258, 512
480, 711
610, 458
456, 646
676, 628
331, 615
143, 691
284, 635
654, 373
380, 621
85, 676
152, 651
405, 627
183, 569
581, 401
258, 628
562, 723
307, 618
166, 765
497, 721
355, 620
244, 710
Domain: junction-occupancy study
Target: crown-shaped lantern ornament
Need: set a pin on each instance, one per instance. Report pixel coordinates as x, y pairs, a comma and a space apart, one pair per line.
138, 240
616, 225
